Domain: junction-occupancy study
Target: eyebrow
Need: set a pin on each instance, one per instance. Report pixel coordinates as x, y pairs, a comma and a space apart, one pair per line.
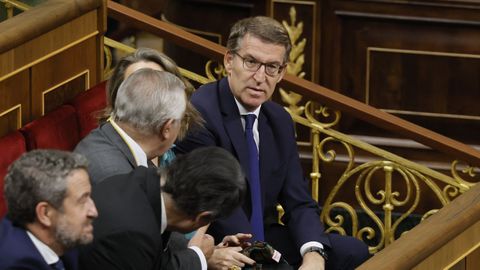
267, 63
83, 196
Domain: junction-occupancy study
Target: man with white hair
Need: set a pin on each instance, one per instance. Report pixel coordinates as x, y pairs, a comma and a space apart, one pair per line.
145, 122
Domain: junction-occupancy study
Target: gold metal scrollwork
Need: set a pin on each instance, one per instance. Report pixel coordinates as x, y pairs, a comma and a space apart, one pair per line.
296, 57
219, 71
10, 5
296, 61
467, 171
312, 108
373, 196
107, 70
294, 67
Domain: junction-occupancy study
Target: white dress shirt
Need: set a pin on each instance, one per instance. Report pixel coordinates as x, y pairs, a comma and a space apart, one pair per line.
47, 253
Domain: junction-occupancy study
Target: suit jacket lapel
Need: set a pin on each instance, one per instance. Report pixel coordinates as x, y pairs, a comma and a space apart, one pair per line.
116, 139
267, 151
233, 125
70, 259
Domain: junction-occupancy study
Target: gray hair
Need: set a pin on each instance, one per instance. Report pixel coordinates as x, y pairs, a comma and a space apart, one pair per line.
148, 98
265, 28
39, 176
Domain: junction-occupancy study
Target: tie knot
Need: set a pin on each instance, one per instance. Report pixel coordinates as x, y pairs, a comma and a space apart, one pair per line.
249, 120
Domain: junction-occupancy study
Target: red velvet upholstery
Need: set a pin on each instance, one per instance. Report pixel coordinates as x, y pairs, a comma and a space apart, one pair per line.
58, 129
87, 104
12, 146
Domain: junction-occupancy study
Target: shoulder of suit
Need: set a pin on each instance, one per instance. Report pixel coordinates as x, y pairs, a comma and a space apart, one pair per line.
275, 109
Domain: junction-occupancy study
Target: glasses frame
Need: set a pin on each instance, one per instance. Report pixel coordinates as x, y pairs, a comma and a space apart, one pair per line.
278, 71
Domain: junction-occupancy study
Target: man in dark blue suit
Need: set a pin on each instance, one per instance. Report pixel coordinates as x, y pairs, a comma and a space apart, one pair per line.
258, 50
49, 211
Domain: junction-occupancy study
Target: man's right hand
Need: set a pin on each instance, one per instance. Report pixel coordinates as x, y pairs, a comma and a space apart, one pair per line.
203, 241
224, 257
239, 239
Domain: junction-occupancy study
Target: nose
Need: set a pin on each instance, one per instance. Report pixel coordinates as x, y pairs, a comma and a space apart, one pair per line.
260, 75
92, 209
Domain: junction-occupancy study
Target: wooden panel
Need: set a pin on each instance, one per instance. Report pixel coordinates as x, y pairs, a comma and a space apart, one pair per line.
417, 60
210, 19
64, 91
51, 43
395, 85
454, 251
59, 73
473, 260
14, 104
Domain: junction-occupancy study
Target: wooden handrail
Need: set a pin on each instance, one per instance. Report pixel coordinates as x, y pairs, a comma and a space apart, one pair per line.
166, 31
306, 88
41, 19
382, 119
427, 237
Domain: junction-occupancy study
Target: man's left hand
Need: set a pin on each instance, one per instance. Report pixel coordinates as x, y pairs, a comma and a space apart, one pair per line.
312, 260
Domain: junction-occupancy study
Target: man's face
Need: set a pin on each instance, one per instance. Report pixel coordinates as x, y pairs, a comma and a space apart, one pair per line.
165, 140
252, 88
188, 224
73, 225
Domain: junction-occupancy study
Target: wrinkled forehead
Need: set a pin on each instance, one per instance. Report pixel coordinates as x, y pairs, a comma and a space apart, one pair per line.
262, 50
78, 183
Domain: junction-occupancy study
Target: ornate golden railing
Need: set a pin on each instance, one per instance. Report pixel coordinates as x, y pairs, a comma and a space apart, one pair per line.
11, 5
112, 44
381, 185
384, 188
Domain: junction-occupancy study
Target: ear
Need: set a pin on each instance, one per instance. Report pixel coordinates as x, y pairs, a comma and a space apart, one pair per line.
228, 62
280, 76
204, 218
167, 128
45, 213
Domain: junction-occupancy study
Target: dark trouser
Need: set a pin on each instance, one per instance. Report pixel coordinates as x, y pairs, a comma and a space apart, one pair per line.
346, 252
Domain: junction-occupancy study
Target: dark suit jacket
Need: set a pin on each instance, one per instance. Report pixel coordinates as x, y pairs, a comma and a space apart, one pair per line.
17, 250
127, 230
107, 153
281, 175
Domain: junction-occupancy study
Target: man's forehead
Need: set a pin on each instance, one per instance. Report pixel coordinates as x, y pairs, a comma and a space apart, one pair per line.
78, 182
262, 50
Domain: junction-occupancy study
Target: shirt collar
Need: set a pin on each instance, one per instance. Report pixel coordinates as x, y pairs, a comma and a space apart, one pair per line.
47, 253
164, 216
244, 111
137, 151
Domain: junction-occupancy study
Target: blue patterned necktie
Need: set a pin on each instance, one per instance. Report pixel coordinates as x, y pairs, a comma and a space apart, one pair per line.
58, 265
256, 219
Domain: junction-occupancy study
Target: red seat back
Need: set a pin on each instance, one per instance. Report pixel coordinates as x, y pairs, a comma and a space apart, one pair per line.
11, 147
58, 129
88, 104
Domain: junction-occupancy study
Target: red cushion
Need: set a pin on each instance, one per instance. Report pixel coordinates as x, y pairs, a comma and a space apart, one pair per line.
56, 130
88, 104
12, 145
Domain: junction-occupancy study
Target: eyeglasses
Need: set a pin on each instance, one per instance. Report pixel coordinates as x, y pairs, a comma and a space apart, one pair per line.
251, 64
